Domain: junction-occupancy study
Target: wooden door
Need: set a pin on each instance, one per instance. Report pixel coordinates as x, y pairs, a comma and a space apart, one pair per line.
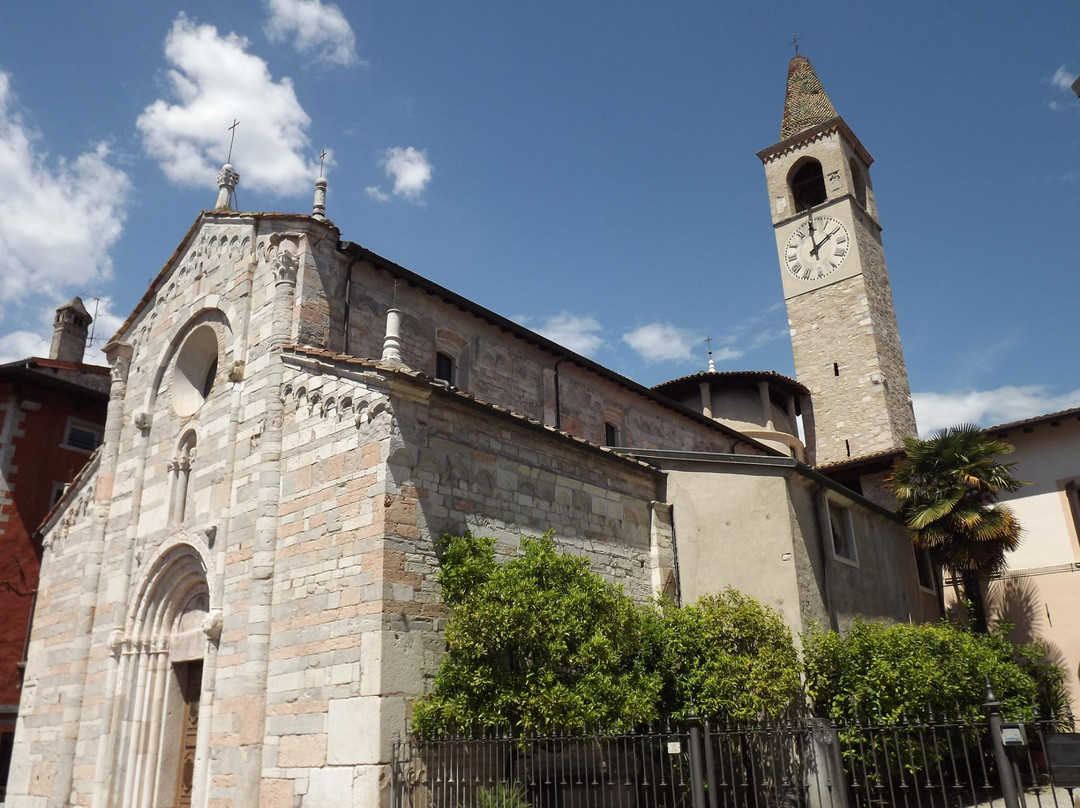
190, 678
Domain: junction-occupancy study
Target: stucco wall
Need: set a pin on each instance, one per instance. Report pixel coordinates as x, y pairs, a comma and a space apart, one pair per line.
760, 530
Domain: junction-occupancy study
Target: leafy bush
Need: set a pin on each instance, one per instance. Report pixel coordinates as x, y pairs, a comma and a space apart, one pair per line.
537, 643
727, 655
541, 642
502, 795
883, 671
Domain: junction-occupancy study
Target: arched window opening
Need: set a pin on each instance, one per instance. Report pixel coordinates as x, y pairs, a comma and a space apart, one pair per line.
195, 371
451, 358
808, 185
858, 182
208, 382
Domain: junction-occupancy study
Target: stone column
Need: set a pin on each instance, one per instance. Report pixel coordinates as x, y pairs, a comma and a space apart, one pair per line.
111, 714
766, 405
119, 357
286, 263
706, 399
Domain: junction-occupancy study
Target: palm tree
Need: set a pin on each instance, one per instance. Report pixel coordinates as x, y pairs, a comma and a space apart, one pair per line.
946, 489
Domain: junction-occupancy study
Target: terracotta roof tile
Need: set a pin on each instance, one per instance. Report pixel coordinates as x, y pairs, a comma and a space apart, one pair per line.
805, 105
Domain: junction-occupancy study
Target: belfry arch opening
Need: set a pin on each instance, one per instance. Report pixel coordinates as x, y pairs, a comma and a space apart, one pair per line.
807, 184
858, 182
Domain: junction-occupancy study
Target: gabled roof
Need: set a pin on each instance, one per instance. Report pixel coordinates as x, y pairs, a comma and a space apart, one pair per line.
76, 379
1061, 415
440, 388
346, 360
185, 243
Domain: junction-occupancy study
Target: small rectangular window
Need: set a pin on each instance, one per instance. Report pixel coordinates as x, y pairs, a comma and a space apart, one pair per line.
843, 534
925, 567
444, 368
81, 435
611, 435
1072, 495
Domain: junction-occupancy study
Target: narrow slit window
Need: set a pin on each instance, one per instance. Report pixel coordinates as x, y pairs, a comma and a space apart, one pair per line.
835, 369
444, 368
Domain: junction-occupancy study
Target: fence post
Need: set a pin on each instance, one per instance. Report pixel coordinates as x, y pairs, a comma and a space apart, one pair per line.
1001, 757
828, 766
697, 770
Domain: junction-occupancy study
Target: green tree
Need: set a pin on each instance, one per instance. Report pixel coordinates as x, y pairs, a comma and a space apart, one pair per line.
727, 655
537, 643
946, 489
541, 642
887, 670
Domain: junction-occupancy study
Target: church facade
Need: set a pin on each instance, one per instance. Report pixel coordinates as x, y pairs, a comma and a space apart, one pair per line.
238, 599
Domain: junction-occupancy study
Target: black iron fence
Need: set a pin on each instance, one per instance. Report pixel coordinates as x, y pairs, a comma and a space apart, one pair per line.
797, 762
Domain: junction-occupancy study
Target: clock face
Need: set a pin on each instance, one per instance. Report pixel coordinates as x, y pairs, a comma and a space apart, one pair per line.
817, 248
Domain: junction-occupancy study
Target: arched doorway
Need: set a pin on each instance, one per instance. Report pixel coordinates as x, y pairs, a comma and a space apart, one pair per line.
161, 680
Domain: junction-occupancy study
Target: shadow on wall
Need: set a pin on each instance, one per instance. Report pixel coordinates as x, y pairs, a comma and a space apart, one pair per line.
1016, 601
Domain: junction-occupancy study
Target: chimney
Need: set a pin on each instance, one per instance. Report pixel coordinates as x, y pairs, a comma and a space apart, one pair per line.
69, 332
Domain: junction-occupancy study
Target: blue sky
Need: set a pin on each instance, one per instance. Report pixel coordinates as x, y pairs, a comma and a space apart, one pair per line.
585, 168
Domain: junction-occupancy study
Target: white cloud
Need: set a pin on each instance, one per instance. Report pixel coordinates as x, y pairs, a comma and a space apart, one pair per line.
22, 344
663, 342
215, 79
1063, 79
410, 171
725, 354
376, 193
988, 407
58, 219
313, 28
579, 333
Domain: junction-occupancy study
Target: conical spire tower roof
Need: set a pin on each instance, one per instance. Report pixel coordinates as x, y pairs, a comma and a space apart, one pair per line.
806, 105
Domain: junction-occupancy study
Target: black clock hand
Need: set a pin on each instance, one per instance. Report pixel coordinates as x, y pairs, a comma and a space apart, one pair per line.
817, 246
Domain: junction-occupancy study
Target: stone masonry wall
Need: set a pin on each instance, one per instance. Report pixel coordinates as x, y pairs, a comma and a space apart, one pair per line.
502, 369
834, 325
886, 332
376, 466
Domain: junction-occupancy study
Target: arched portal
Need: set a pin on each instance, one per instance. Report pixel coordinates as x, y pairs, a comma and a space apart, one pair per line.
157, 761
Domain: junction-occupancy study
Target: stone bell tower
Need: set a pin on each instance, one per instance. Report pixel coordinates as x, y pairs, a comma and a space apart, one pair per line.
840, 307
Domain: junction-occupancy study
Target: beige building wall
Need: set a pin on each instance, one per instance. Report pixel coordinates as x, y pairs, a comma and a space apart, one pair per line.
1040, 591
730, 531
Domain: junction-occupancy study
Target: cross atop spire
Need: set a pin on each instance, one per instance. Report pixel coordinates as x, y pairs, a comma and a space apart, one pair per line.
805, 105
232, 138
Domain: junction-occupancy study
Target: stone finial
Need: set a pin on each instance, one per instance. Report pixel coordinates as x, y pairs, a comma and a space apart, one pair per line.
318, 209
69, 331
227, 180
391, 352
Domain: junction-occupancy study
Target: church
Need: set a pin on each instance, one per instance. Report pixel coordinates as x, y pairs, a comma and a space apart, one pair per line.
238, 598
